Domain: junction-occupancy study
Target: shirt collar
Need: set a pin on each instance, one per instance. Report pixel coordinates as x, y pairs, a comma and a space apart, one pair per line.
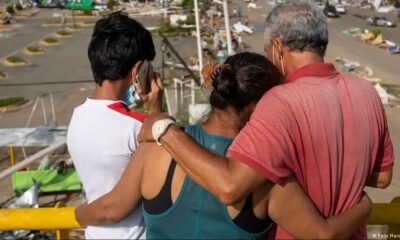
317, 69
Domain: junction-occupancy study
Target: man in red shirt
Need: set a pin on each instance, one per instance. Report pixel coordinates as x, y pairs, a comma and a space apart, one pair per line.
326, 129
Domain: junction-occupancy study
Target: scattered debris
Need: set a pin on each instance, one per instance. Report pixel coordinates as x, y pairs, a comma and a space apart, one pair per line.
374, 37
239, 27
364, 72
29, 199
384, 95
354, 32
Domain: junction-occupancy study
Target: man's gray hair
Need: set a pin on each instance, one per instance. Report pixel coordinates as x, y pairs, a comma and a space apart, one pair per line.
300, 25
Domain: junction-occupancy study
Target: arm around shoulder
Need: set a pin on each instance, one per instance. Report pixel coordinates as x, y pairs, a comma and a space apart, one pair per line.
291, 209
119, 202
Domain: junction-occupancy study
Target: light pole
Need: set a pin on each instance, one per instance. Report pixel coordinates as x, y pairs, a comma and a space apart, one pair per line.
227, 27
199, 48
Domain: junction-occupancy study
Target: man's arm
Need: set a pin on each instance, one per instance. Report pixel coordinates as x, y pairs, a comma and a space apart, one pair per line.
291, 209
381, 176
380, 179
119, 202
221, 176
262, 150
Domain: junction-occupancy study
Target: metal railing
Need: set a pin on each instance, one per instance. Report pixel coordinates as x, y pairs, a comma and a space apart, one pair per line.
61, 219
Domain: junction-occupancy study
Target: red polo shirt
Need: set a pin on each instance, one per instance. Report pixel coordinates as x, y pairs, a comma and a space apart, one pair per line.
327, 129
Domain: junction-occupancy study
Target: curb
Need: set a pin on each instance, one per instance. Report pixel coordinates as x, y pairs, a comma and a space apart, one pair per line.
86, 24
63, 36
13, 108
82, 17
49, 44
16, 64
71, 29
27, 52
69, 24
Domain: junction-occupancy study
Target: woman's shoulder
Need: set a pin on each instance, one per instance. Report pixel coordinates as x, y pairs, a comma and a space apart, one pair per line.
190, 129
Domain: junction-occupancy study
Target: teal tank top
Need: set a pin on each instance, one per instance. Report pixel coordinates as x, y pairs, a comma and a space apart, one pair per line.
197, 214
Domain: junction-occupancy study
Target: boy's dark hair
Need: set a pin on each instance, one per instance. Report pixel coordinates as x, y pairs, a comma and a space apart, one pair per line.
118, 43
245, 81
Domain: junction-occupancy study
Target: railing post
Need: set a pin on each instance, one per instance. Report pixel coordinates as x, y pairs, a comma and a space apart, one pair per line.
394, 230
61, 233
12, 157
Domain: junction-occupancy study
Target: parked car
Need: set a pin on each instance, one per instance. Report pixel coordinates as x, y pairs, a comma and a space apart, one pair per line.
340, 9
330, 11
380, 21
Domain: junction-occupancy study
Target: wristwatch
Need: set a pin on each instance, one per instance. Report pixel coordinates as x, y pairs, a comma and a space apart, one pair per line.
160, 127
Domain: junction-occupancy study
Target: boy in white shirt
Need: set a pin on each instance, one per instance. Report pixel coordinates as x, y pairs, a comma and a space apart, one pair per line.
102, 135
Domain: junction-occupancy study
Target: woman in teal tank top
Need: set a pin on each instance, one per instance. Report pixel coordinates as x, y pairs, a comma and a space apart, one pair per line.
175, 207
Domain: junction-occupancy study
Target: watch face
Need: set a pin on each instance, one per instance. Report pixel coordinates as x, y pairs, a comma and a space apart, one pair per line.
159, 128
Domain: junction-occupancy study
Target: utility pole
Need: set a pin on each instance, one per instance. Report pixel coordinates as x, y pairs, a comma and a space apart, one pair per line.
199, 48
227, 27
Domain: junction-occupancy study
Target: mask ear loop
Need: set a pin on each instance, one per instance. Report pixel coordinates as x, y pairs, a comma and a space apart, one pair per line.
273, 54
282, 68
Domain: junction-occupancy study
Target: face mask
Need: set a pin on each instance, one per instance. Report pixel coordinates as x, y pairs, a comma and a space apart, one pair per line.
131, 96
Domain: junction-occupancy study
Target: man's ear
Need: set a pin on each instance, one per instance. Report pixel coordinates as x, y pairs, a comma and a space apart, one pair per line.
135, 70
277, 42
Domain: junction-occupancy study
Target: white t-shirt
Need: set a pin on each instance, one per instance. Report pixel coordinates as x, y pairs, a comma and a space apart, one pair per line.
102, 137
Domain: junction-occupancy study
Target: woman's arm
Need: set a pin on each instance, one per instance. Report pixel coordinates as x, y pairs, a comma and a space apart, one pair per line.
119, 202
291, 209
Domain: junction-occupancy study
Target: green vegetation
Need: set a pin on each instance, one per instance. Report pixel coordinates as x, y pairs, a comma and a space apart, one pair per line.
50, 40
87, 13
15, 59
200, 97
64, 33
10, 9
170, 31
4, 102
19, 7
187, 5
111, 4
191, 19
35, 49
376, 31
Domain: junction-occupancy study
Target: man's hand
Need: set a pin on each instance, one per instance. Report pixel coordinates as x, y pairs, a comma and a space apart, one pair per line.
367, 204
152, 101
146, 134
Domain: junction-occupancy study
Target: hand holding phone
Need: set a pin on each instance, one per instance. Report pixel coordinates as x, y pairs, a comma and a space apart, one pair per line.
145, 76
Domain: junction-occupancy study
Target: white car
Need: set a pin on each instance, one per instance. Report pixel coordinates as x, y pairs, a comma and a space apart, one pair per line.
380, 21
340, 9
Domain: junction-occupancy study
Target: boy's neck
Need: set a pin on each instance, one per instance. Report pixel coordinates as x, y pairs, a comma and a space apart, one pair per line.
109, 91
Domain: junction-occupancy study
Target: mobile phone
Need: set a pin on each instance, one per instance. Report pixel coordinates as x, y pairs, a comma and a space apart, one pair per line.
143, 76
